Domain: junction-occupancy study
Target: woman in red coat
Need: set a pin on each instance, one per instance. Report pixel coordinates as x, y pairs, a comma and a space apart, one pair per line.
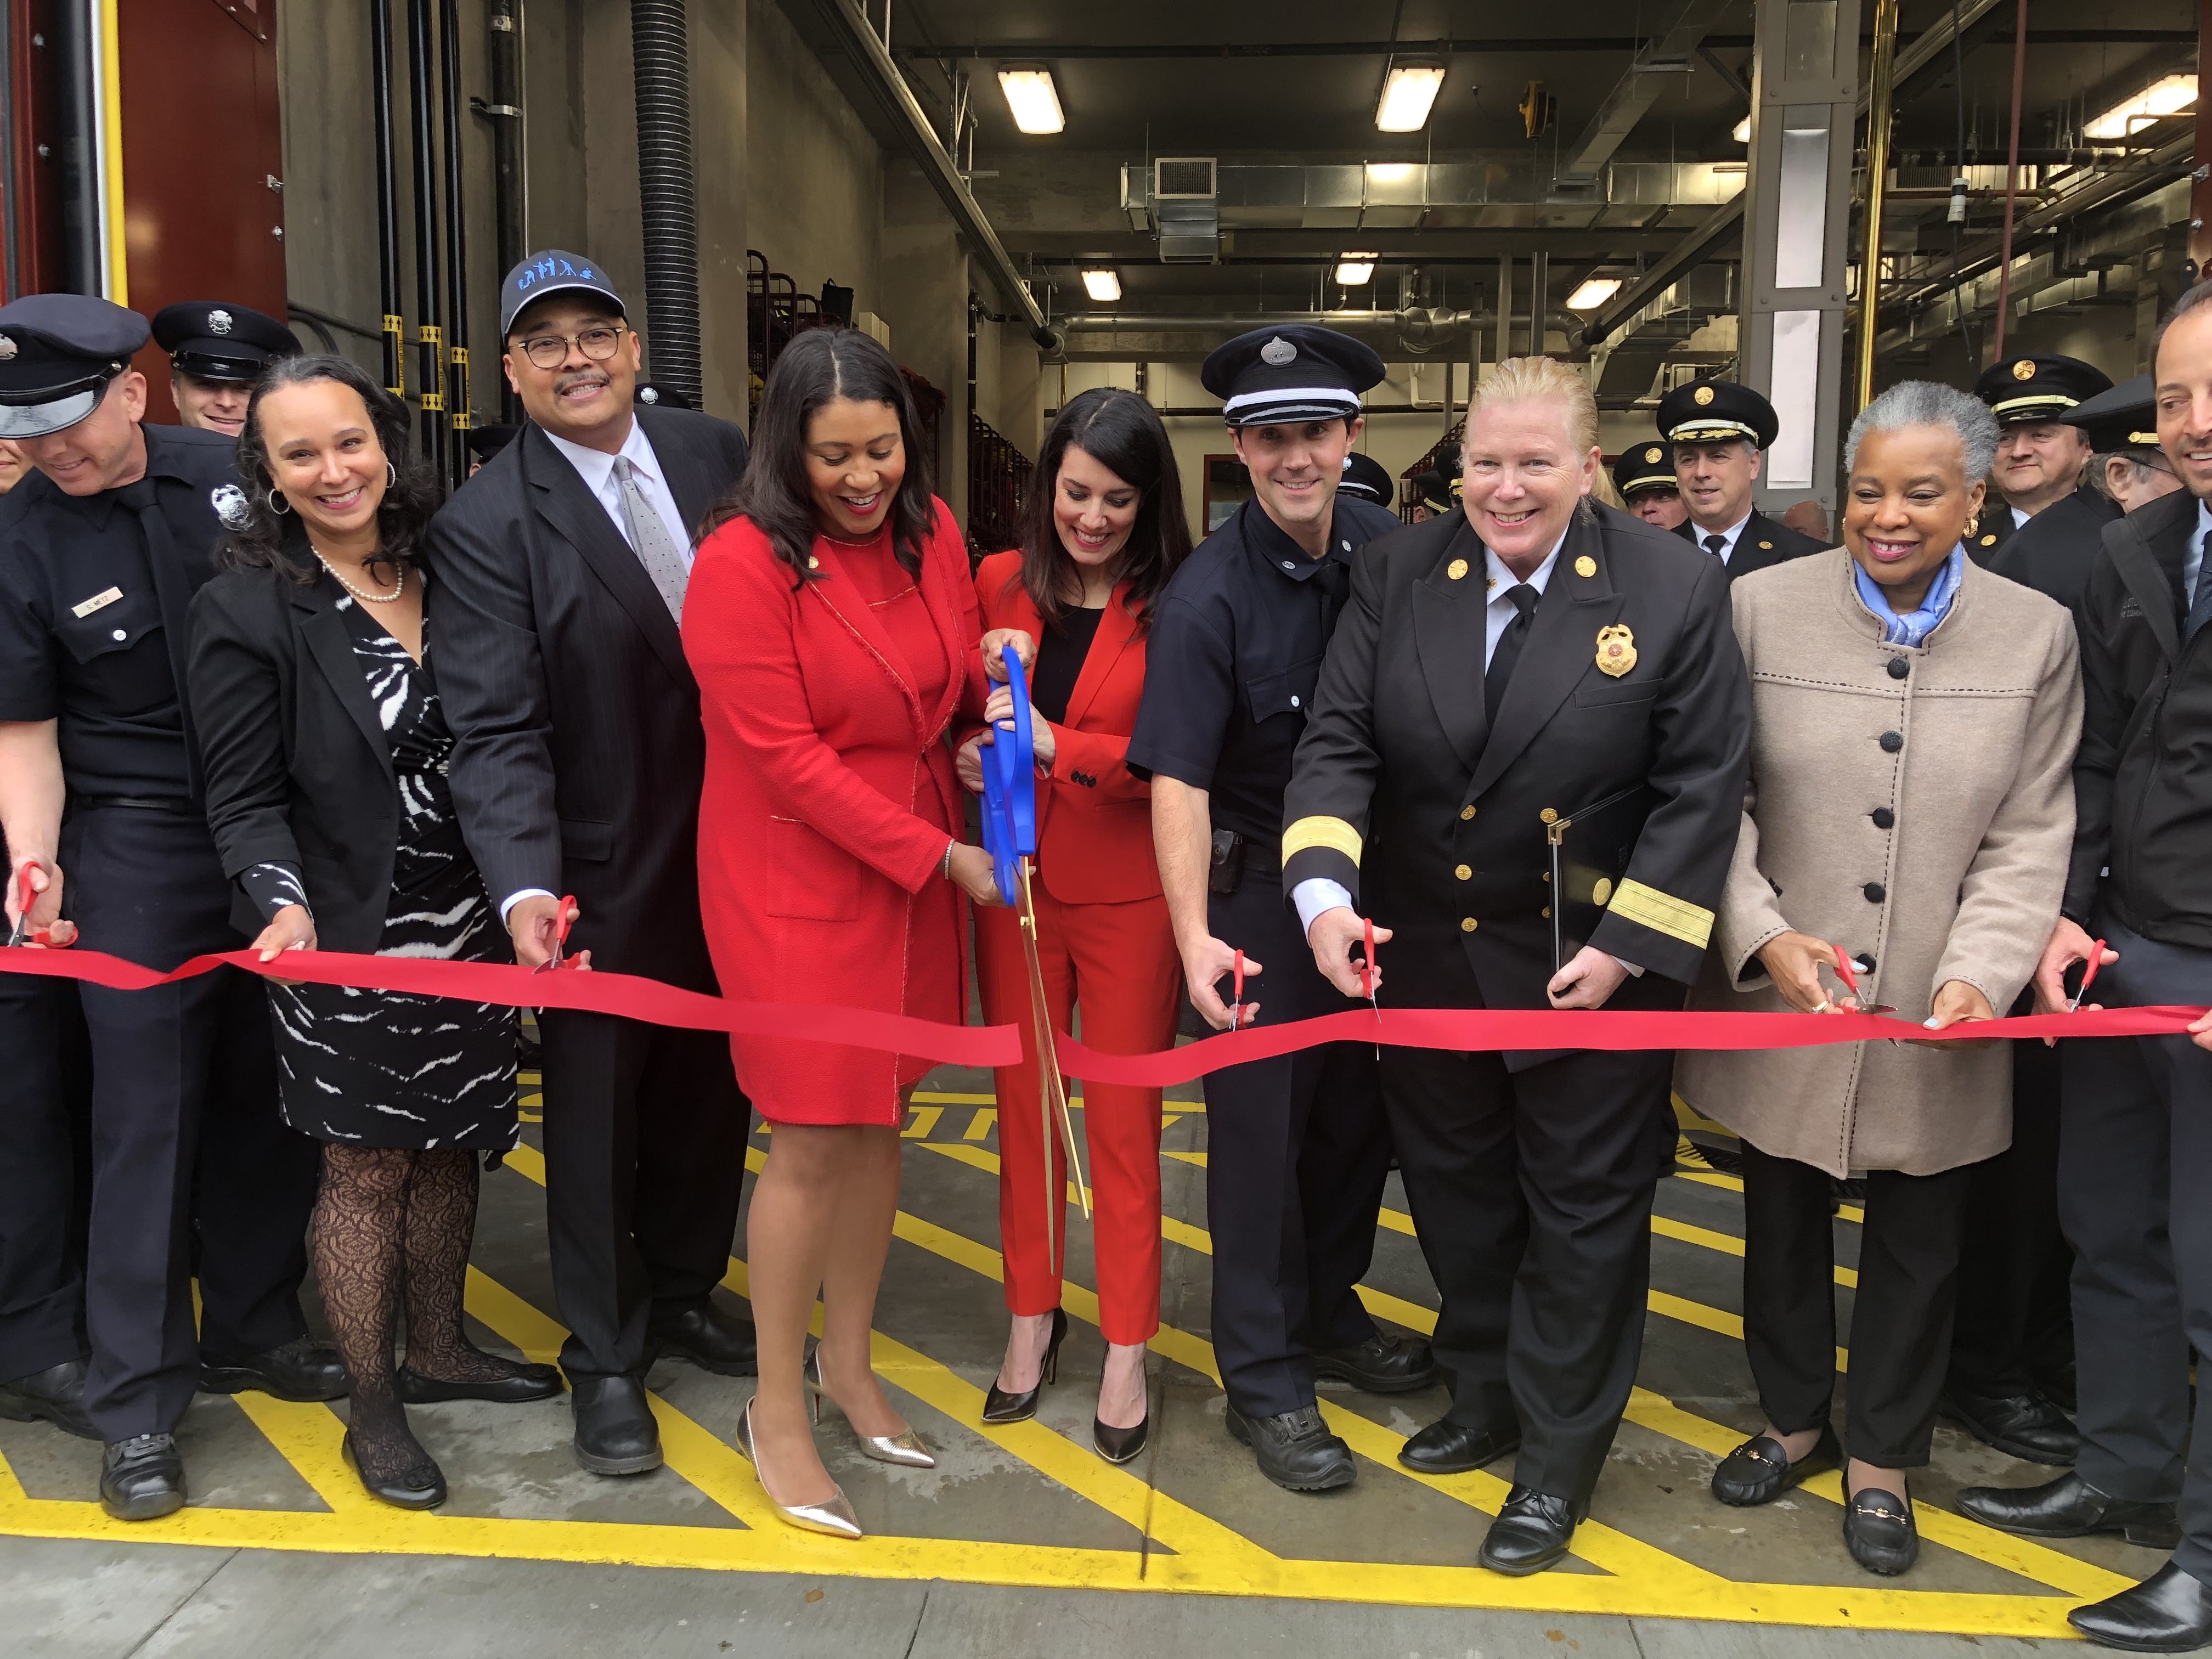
832, 627
1106, 531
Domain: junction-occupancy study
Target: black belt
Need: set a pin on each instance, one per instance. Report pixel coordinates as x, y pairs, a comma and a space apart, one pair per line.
179, 805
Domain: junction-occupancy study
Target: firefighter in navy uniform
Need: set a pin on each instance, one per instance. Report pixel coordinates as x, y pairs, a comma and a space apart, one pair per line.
1297, 1152
1644, 476
2041, 457
1720, 432
100, 551
216, 352
1497, 674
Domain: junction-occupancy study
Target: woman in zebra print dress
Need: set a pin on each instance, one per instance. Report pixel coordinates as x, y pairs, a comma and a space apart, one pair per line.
325, 750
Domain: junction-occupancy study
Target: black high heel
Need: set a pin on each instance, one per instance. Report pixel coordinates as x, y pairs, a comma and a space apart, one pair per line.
1120, 1446
999, 1407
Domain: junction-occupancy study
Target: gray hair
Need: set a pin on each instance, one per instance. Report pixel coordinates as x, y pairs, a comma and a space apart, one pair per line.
1927, 403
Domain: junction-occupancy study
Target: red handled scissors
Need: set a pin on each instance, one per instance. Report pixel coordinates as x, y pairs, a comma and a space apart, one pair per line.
1850, 979
2088, 974
23, 933
1367, 975
559, 958
1237, 994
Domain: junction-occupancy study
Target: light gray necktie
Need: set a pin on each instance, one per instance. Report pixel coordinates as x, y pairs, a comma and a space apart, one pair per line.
648, 535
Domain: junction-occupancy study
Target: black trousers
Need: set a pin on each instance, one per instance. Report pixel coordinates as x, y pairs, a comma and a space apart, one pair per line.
2136, 1162
191, 1169
1531, 1193
1297, 1155
2014, 1329
1901, 1313
645, 1158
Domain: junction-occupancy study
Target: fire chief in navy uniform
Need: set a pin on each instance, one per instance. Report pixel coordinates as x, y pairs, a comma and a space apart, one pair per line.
1497, 673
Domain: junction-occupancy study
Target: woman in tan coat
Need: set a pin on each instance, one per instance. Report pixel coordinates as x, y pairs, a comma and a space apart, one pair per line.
1913, 725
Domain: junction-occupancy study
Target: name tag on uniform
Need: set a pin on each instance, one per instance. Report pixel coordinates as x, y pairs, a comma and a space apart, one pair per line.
96, 602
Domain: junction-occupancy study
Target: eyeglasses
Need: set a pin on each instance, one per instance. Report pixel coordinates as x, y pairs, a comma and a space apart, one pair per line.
551, 350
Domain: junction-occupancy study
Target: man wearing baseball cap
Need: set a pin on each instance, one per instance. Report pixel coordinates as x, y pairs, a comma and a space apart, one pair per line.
577, 765
101, 549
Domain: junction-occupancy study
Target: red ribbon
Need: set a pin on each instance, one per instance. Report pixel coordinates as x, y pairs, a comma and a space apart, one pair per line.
631, 996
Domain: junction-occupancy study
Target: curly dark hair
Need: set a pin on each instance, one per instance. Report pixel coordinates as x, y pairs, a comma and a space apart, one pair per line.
818, 368
1123, 434
275, 541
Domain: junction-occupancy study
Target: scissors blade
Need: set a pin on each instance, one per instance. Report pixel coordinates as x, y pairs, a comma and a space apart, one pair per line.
2088, 974
1053, 1090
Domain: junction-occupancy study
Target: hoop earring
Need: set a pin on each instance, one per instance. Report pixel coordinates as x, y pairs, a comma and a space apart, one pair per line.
391, 475
271, 501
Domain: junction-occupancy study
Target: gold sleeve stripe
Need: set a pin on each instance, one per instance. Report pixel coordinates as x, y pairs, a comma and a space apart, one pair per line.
1332, 833
1662, 914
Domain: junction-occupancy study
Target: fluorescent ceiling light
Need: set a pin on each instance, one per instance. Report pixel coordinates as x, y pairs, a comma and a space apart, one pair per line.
1407, 93
1389, 173
1104, 286
1355, 270
1594, 292
2170, 96
1741, 131
1031, 95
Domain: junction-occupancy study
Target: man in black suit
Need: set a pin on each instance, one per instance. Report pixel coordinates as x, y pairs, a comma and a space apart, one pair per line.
557, 583
2041, 457
1720, 430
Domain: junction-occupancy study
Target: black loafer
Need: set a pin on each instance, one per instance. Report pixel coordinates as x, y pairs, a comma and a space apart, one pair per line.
2069, 1507
142, 1479
2169, 1611
1878, 1530
422, 1487
616, 1433
302, 1370
1449, 1448
2029, 1425
1760, 1470
54, 1396
709, 1339
1295, 1449
531, 1383
1384, 1363
1532, 1532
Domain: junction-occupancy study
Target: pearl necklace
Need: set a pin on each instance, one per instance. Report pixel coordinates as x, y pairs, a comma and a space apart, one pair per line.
397, 588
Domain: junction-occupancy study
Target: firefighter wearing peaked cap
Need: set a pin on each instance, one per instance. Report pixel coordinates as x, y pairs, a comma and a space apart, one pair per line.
216, 351
1719, 431
2041, 457
1644, 476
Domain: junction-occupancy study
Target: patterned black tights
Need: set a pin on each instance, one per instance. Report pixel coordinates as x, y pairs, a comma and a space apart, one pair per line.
393, 1224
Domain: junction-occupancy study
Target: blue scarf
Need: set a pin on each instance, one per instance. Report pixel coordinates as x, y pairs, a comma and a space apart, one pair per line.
1913, 627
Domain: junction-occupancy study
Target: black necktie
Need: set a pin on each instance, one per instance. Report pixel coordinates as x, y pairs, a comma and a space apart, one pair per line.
1715, 545
171, 593
1509, 648
2201, 612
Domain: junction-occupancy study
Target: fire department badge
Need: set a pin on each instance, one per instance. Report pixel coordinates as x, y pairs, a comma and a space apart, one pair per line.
219, 321
1702, 396
2023, 370
229, 502
1651, 456
1586, 566
1616, 650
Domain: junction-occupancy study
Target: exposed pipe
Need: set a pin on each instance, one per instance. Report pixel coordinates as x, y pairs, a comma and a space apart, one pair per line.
11, 210
458, 417
504, 54
1504, 306
80, 152
661, 56
1540, 301
2200, 191
1878, 124
387, 199
1444, 322
429, 334
2012, 179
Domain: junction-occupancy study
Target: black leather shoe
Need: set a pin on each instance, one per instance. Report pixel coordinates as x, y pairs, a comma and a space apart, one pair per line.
1120, 1446
422, 1487
1760, 1470
1295, 1449
55, 1394
2069, 1507
1383, 1363
1449, 1448
1531, 1533
142, 1479
709, 1339
2023, 1426
1878, 1530
531, 1383
1000, 1406
2168, 1613
303, 1371
614, 1431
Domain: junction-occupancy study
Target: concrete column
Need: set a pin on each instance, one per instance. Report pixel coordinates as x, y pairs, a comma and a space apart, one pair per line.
1796, 226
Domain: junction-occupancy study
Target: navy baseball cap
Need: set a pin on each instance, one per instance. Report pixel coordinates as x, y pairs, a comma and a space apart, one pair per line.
552, 271
57, 353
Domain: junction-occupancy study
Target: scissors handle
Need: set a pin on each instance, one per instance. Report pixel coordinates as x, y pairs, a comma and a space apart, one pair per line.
1844, 971
1367, 963
559, 958
2088, 974
1237, 994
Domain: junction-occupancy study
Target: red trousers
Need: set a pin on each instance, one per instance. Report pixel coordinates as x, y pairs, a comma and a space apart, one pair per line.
1117, 962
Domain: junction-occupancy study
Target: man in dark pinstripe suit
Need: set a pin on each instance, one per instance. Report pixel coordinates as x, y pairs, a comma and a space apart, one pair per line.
557, 580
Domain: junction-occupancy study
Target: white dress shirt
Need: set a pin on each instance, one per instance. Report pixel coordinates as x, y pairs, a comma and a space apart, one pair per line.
2019, 517
597, 469
1729, 536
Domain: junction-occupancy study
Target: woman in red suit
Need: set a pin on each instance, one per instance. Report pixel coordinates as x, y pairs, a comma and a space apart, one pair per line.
832, 627
1106, 531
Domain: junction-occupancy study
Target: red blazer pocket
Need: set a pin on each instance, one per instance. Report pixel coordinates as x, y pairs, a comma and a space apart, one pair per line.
808, 878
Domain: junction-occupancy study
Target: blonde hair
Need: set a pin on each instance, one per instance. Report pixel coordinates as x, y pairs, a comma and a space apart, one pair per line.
1541, 380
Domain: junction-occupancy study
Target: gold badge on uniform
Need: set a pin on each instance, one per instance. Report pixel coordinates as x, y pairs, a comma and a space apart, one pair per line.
1989, 540
1651, 456
1455, 569
1602, 892
1766, 546
2023, 370
1586, 566
1702, 396
1616, 650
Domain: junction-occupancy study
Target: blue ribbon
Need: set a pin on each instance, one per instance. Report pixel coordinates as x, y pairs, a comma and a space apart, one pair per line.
1009, 788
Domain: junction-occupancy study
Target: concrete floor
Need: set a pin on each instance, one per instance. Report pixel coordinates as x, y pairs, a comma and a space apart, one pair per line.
1022, 1542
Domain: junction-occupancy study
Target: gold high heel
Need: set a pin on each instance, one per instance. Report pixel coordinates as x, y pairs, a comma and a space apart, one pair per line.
834, 1517
906, 1449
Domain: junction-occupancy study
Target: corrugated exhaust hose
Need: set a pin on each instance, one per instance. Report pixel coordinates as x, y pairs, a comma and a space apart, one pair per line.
661, 55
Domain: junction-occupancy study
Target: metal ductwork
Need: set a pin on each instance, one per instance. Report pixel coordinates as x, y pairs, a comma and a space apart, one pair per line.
661, 56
